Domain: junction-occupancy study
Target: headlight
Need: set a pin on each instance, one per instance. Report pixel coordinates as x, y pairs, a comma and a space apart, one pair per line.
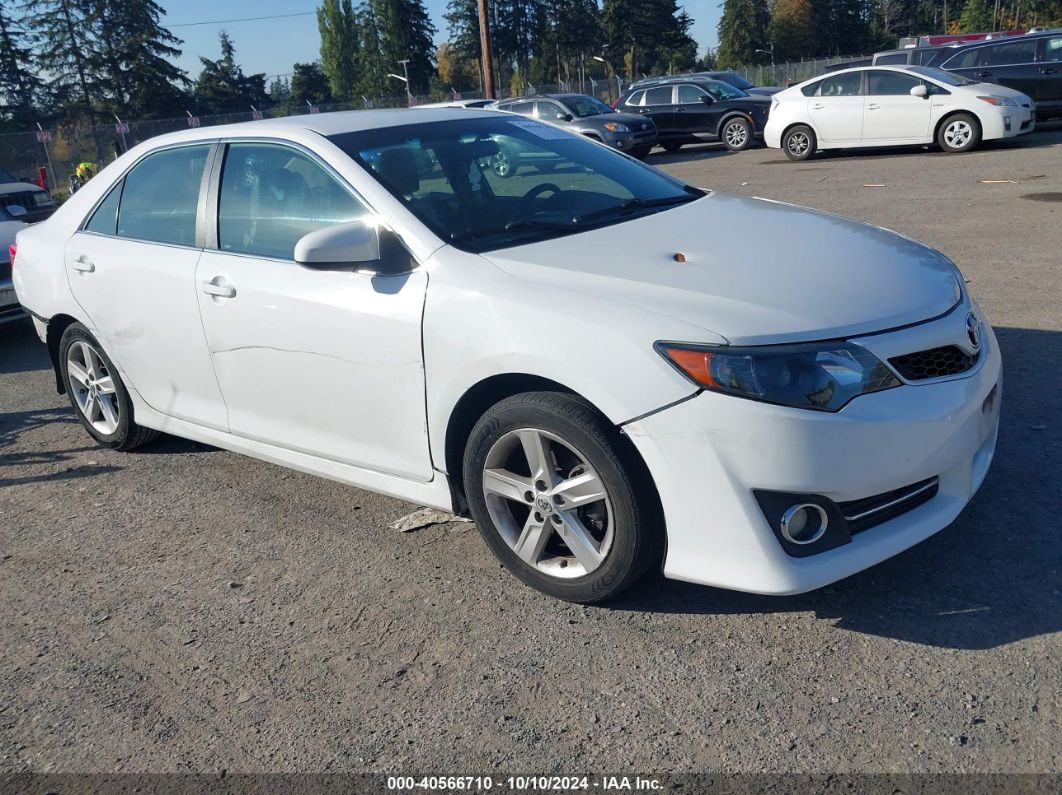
616, 127
821, 376
42, 198
994, 99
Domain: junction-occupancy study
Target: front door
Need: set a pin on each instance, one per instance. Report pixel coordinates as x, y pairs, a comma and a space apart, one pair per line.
891, 113
132, 270
695, 112
323, 362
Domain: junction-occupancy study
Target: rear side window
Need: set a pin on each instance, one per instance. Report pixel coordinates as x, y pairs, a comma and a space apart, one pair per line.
661, 95
896, 57
884, 84
1010, 53
637, 98
1053, 49
811, 88
523, 108
161, 196
843, 85
966, 60
272, 195
105, 220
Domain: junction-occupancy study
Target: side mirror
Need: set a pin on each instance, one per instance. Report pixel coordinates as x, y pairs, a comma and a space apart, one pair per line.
707, 100
356, 246
15, 210
920, 91
566, 117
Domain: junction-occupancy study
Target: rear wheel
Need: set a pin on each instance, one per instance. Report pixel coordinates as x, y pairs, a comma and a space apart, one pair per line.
558, 498
798, 143
503, 164
959, 133
97, 393
641, 152
736, 134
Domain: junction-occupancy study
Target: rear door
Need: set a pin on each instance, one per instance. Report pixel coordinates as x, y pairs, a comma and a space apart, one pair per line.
132, 269
1011, 64
1049, 85
836, 108
890, 113
659, 104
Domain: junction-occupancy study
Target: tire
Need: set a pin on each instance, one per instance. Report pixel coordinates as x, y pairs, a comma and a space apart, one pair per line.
798, 143
671, 147
959, 133
608, 543
96, 392
736, 134
504, 165
641, 152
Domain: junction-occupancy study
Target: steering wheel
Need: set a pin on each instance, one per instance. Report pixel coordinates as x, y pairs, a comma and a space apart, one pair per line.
530, 196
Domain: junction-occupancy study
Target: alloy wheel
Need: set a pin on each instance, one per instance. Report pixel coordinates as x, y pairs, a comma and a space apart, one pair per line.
548, 503
958, 134
798, 143
93, 388
735, 135
502, 164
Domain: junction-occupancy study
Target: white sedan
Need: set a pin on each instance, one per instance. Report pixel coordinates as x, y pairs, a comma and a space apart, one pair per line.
894, 106
610, 370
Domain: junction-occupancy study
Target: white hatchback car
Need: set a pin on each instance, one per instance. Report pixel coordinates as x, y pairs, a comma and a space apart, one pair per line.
894, 106
611, 370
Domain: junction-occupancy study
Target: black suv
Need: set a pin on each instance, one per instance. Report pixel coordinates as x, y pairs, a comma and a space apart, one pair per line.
733, 78
695, 110
1031, 64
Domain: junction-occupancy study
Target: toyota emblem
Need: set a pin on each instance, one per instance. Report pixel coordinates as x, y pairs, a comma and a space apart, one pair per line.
973, 330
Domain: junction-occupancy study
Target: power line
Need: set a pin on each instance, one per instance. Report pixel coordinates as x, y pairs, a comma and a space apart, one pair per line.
241, 19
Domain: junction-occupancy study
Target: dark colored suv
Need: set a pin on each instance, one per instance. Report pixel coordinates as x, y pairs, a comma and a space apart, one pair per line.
733, 78
695, 110
1031, 64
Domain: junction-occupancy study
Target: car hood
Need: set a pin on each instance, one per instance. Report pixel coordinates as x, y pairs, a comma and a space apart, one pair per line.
764, 90
632, 120
756, 271
997, 89
20, 187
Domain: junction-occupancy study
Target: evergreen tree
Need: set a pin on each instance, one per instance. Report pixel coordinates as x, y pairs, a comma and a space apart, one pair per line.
372, 76
792, 30
976, 17
648, 34
406, 32
63, 46
309, 85
340, 41
20, 88
742, 31
222, 86
462, 19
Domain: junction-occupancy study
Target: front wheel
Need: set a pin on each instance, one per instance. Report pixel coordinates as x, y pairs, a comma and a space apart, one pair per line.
737, 134
560, 499
641, 152
97, 393
671, 147
798, 143
959, 133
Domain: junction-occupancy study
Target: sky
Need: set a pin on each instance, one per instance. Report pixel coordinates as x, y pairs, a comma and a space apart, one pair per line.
273, 45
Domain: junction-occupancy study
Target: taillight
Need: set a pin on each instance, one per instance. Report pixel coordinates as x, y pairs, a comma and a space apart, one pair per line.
11, 254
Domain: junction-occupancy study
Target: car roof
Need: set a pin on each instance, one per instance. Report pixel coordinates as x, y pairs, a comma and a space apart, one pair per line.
668, 81
326, 124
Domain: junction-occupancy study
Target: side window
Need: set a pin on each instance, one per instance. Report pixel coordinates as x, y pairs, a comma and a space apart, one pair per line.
965, 60
1053, 49
105, 219
892, 58
273, 195
843, 85
636, 99
660, 95
1011, 53
161, 196
811, 88
523, 108
890, 84
688, 94
551, 111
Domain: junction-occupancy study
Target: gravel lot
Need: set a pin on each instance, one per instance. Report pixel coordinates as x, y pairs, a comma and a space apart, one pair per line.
182, 608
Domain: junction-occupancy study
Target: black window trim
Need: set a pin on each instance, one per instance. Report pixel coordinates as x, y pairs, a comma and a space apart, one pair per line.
120, 185
1039, 55
678, 89
674, 94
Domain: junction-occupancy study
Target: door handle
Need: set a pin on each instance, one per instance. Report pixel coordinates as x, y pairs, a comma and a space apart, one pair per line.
1047, 71
83, 264
983, 75
818, 106
873, 107
216, 288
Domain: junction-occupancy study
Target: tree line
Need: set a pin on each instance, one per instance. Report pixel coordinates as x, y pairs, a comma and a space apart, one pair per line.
759, 31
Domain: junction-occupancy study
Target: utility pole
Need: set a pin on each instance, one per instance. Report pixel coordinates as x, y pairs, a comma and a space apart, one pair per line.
484, 48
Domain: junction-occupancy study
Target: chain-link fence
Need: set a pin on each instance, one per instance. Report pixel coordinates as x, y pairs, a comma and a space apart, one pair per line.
787, 74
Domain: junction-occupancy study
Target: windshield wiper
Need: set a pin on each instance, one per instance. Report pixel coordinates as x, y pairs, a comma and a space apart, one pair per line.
514, 226
630, 205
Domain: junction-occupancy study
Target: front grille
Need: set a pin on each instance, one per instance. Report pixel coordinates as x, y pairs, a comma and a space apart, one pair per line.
22, 199
5, 272
934, 363
869, 512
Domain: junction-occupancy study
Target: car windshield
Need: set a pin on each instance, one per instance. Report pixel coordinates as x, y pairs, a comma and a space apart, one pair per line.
489, 183
7, 176
720, 90
736, 80
947, 78
583, 106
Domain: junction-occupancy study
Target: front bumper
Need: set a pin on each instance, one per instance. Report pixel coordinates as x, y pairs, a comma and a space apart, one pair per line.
708, 455
1009, 121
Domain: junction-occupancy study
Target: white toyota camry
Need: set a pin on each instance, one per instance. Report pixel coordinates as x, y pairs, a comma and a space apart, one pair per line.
611, 370
894, 106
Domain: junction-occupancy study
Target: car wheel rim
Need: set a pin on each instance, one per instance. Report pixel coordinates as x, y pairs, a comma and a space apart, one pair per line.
798, 143
92, 386
958, 134
548, 503
736, 135
501, 165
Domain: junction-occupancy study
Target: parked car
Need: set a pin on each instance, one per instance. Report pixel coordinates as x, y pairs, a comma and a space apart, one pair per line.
613, 372
35, 200
733, 78
9, 227
461, 103
695, 110
1031, 64
894, 106
588, 116
838, 67
913, 56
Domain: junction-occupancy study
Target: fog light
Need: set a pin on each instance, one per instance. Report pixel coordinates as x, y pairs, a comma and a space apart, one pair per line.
804, 523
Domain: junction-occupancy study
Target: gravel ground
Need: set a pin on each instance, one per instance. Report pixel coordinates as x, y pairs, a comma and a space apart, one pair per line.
182, 608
